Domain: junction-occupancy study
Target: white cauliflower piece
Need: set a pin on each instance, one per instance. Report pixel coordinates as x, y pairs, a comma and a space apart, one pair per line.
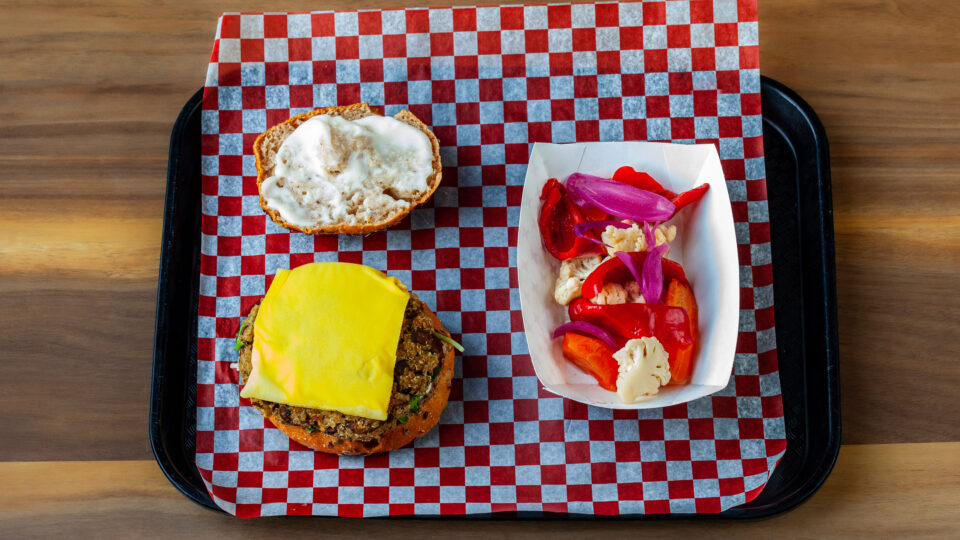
643, 369
665, 233
611, 293
633, 239
570, 280
615, 293
633, 293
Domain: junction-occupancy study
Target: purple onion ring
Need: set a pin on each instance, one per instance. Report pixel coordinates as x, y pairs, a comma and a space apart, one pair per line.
586, 328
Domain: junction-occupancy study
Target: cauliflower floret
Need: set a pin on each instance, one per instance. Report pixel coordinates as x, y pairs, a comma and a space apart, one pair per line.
623, 239
572, 274
643, 369
611, 293
633, 239
633, 293
615, 293
665, 233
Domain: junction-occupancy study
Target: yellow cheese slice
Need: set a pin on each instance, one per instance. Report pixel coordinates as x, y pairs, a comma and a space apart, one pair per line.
326, 337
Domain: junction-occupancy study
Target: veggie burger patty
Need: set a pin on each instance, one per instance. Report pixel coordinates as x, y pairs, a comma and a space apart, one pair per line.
419, 356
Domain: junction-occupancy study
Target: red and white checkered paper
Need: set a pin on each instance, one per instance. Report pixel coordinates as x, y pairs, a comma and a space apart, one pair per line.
490, 81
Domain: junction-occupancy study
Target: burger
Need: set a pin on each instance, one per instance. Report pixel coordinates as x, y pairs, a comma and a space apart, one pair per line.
345, 360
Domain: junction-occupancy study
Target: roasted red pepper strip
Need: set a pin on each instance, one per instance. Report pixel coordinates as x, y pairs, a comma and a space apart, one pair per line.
689, 197
548, 188
593, 356
671, 271
610, 271
680, 294
594, 214
668, 324
614, 271
642, 180
558, 217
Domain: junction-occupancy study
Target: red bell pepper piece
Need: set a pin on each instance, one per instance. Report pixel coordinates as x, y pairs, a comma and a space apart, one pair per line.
558, 216
669, 324
689, 197
681, 364
672, 270
680, 294
614, 271
595, 214
610, 271
593, 356
642, 180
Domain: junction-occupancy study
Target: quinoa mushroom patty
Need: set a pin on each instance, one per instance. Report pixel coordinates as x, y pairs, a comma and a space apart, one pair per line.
419, 357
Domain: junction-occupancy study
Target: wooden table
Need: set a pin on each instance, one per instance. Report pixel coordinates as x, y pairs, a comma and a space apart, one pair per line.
88, 94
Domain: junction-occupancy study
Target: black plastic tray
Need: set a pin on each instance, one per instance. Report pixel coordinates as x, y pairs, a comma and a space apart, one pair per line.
798, 187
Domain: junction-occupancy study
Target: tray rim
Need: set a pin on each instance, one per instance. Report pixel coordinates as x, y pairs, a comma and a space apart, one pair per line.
157, 444
769, 87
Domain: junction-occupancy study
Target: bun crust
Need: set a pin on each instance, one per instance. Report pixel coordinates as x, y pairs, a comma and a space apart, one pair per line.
268, 143
420, 423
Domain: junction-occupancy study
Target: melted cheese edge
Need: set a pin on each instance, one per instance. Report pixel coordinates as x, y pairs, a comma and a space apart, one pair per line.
326, 337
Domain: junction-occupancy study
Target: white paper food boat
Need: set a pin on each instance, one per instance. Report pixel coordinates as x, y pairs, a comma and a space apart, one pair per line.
706, 246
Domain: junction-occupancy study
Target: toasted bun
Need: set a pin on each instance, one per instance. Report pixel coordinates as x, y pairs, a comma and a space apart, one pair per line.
403, 434
267, 145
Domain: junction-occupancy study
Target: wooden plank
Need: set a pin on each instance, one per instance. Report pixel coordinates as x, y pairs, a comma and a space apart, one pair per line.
889, 490
78, 383
884, 79
100, 177
98, 239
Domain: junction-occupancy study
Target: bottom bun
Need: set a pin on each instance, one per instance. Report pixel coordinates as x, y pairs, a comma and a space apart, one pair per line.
419, 423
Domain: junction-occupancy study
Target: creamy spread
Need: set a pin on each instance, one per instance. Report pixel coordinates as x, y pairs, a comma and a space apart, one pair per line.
643, 369
336, 171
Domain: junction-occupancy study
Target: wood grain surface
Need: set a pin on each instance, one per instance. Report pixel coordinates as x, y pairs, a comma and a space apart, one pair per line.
88, 95
914, 494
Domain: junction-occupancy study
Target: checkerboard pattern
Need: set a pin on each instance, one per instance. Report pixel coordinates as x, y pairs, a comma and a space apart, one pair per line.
490, 81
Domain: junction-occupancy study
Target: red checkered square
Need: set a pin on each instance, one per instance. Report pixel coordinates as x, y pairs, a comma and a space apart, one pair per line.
251, 50
418, 21
369, 23
654, 13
